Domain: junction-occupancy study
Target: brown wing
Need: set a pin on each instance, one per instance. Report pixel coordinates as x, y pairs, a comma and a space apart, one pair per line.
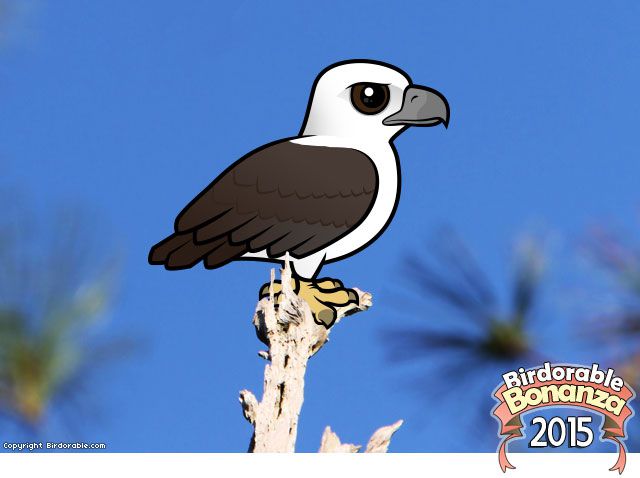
286, 197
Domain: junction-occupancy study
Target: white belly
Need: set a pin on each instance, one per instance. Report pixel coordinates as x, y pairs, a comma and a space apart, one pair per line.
379, 215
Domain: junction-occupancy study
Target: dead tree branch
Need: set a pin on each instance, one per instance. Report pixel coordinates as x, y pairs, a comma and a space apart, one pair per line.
293, 337
378, 443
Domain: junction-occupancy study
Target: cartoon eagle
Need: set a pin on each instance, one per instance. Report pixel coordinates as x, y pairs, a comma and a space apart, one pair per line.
320, 196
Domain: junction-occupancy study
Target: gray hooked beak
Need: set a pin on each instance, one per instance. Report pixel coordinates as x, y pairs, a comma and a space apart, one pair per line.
421, 106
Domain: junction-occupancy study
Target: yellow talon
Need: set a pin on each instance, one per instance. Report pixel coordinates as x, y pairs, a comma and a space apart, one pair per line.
328, 283
324, 296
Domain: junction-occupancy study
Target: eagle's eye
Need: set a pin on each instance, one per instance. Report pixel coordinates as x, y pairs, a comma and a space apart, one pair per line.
369, 98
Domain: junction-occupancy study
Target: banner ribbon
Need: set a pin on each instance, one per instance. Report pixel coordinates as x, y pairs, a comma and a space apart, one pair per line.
613, 427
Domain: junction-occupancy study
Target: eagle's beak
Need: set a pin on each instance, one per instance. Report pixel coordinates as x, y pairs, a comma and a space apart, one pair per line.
421, 106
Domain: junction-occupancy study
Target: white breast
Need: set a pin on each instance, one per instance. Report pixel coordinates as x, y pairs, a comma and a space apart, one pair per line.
384, 159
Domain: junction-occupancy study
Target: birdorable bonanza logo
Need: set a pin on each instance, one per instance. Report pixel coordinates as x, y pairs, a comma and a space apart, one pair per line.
587, 388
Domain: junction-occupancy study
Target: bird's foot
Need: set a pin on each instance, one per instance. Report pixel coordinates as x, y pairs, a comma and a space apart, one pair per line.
324, 296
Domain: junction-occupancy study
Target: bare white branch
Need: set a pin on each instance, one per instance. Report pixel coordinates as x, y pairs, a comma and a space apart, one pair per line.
379, 442
330, 443
293, 337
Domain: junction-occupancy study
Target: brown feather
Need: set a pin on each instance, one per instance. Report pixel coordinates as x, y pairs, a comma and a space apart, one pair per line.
223, 254
189, 254
285, 197
160, 251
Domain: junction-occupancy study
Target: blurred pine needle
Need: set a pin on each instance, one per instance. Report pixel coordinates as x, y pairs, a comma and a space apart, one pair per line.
620, 260
54, 289
477, 331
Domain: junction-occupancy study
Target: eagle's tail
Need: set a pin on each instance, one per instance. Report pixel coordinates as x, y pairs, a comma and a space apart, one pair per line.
180, 251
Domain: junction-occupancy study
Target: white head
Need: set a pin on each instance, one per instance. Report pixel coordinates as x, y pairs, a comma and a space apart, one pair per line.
370, 101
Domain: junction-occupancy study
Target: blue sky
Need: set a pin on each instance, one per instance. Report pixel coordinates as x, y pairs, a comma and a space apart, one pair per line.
131, 108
